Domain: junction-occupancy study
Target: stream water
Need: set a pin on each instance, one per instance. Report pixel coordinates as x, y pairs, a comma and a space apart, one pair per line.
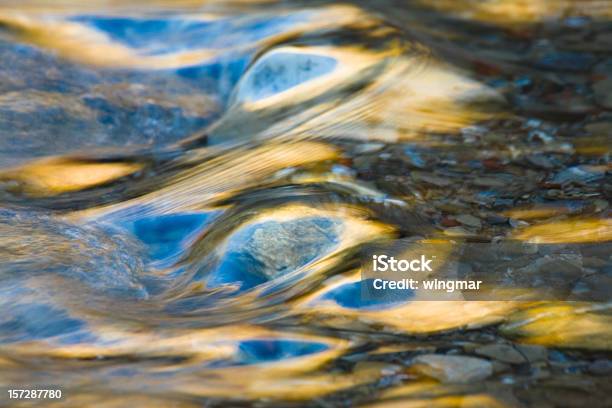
190, 192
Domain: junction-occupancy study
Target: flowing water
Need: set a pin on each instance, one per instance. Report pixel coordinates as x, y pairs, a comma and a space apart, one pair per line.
191, 190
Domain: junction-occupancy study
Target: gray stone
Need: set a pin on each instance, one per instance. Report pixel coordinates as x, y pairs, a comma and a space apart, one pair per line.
579, 174
533, 353
541, 161
280, 247
453, 369
600, 367
490, 182
603, 92
501, 352
457, 232
469, 220
431, 179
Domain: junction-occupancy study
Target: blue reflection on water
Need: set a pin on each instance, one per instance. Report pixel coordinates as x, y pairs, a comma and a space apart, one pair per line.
35, 321
163, 35
218, 75
166, 236
261, 351
360, 295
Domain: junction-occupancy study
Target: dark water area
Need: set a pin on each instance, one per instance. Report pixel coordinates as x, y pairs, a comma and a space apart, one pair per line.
191, 194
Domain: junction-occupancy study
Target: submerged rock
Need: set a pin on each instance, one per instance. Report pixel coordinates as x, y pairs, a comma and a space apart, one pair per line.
603, 92
579, 174
268, 250
280, 247
32, 245
281, 70
453, 369
501, 352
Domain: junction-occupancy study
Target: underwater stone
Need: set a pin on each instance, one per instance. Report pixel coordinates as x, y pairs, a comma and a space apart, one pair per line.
281, 70
579, 174
501, 352
453, 369
270, 249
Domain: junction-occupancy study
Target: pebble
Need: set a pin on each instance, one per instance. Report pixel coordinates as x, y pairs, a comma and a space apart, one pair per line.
540, 161
576, 21
490, 182
501, 352
600, 204
600, 367
457, 232
376, 366
469, 220
517, 223
566, 61
579, 174
533, 123
495, 219
414, 158
449, 222
603, 92
499, 367
430, 179
564, 270
592, 262
453, 369
368, 148
595, 128
553, 193
492, 164
540, 136
533, 352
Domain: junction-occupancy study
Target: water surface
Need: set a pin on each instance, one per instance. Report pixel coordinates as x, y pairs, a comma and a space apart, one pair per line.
190, 192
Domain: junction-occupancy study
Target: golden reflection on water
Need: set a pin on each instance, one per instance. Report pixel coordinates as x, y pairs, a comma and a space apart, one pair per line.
55, 176
568, 231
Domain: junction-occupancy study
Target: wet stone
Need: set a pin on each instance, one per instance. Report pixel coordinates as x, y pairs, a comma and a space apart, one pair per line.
368, 148
533, 353
604, 128
457, 232
453, 369
579, 174
501, 352
449, 222
600, 367
282, 70
539, 136
540, 161
603, 92
104, 260
269, 249
565, 61
594, 287
496, 219
469, 220
431, 179
490, 182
